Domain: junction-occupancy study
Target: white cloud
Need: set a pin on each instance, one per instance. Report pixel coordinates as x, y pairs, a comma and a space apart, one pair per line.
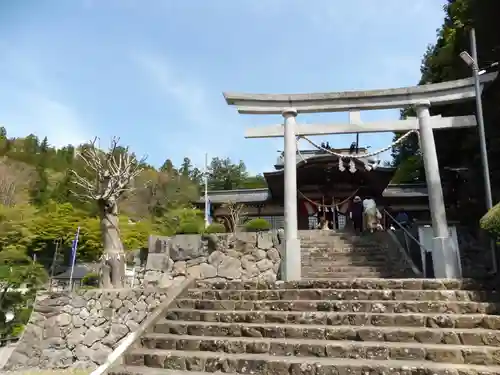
370, 15
188, 94
30, 102
54, 119
204, 121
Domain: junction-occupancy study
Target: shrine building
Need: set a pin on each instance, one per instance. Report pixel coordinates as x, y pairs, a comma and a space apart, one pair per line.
322, 182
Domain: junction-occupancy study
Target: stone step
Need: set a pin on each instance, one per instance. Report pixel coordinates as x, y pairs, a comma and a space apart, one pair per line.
380, 256
360, 283
412, 351
342, 262
338, 269
339, 237
311, 274
315, 266
442, 307
143, 370
337, 242
346, 275
343, 294
263, 364
338, 250
345, 239
454, 336
345, 269
308, 262
423, 320
349, 260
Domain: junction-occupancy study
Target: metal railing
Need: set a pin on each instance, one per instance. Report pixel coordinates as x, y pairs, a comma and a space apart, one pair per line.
410, 244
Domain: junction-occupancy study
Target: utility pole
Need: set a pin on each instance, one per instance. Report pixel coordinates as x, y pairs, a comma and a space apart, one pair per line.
207, 204
473, 63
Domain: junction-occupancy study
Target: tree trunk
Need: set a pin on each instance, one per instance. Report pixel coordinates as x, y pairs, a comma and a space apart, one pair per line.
113, 260
105, 279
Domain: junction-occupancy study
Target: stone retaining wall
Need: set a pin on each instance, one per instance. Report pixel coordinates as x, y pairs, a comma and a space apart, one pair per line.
83, 328
239, 256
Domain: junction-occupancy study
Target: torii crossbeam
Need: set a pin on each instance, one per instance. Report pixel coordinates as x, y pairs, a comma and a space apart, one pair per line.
438, 122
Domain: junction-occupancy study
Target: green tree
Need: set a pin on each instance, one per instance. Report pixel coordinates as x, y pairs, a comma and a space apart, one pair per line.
186, 167
168, 167
17, 270
224, 175
40, 191
15, 225
441, 62
253, 182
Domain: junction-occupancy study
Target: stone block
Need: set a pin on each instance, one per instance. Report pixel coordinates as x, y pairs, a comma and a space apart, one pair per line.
158, 244
202, 271
229, 268
185, 247
157, 261
265, 240
82, 329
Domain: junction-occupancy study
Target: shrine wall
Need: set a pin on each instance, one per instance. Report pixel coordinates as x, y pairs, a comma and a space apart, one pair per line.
215, 257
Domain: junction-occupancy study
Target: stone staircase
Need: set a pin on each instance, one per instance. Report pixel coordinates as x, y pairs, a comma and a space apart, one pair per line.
326, 254
323, 327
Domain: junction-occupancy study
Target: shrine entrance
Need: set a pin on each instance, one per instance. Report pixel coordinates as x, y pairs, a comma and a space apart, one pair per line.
445, 254
325, 189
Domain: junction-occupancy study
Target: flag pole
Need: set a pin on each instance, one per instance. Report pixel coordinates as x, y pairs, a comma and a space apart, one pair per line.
73, 258
54, 259
206, 191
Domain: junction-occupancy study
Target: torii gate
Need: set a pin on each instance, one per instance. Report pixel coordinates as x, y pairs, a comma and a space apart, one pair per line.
446, 261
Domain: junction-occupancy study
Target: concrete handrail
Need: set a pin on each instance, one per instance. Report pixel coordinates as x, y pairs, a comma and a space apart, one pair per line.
406, 233
114, 357
404, 253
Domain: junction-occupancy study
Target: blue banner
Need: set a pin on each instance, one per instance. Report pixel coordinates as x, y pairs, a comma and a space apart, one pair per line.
74, 246
208, 208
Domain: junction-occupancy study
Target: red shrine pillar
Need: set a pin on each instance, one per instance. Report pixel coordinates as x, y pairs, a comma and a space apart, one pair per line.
305, 210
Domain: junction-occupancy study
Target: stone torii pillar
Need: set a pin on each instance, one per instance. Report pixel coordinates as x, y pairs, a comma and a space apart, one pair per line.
354, 101
445, 255
292, 265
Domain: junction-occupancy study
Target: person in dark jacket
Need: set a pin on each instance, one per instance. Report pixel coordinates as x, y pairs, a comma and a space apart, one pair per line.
356, 214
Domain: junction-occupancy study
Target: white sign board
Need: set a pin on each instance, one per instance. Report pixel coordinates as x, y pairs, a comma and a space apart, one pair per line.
426, 235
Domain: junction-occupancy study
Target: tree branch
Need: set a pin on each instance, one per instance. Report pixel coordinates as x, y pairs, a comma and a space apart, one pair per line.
113, 172
236, 213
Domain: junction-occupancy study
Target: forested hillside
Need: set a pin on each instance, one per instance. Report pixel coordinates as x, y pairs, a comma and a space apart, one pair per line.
460, 148
41, 207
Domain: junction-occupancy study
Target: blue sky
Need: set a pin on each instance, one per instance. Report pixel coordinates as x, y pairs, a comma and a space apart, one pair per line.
153, 71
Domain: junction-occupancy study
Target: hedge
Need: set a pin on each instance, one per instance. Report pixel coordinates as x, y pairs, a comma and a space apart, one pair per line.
189, 228
257, 225
490, 222
215, 228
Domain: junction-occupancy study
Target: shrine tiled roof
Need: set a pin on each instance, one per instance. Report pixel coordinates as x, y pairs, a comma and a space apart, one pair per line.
405, 191
237, 196
263, 194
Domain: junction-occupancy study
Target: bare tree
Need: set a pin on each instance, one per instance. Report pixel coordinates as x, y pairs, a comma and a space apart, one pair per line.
236, 214
7, 186
14, 181
111, 174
